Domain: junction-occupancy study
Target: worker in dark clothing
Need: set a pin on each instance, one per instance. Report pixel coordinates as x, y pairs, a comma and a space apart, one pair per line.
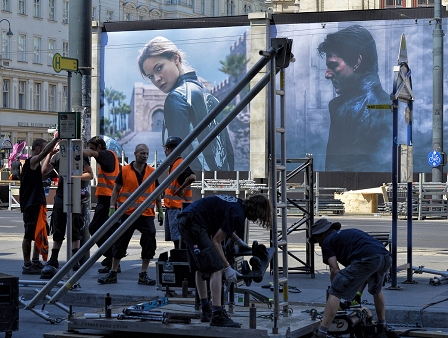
364, 258
33, 205
16, 169
59, 217
108, 169
176, 193
204, 225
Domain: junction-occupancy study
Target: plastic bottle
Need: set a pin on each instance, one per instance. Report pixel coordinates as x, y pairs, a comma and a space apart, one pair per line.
196, 250
47, 186
108, 306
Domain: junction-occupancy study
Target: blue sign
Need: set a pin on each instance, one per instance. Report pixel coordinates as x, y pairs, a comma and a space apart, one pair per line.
434, 158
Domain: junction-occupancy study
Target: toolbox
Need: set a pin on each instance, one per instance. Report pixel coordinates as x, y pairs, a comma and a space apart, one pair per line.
9, 303
172, 269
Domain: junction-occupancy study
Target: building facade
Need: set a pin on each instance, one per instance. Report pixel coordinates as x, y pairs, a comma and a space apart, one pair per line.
32, 92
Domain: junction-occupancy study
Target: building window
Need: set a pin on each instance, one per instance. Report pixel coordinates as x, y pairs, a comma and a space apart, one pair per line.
6, 90
203, 7
128, 16
6, 6
65, 11
37, 10
51, 97
109, 15
394, 3
64, 98
6, 45
21, 48
230, 7
65, 49
22, 7
51, 10
37, 49
51, 48
22, 95
37, 90
425, 3
93, 13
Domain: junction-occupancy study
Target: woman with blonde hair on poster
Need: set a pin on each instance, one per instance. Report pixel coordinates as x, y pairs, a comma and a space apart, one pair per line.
187, 103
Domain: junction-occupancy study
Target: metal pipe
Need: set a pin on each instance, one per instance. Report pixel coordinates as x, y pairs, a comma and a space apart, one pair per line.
159, 190
273, 187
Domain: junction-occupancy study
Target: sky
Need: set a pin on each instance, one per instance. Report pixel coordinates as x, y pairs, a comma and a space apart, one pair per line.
204, 49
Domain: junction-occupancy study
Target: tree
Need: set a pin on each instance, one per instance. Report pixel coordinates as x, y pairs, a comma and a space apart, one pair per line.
234, 65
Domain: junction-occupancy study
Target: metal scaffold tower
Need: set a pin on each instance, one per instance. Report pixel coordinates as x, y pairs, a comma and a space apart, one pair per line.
306, 206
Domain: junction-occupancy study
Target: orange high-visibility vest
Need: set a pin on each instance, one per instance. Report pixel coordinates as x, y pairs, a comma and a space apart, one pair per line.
106, 181
174, 201
130, 184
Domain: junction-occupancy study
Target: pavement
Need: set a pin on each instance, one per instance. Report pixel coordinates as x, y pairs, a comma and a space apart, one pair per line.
408, 304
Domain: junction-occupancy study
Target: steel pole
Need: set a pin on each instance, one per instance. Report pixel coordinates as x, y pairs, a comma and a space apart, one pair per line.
437, 89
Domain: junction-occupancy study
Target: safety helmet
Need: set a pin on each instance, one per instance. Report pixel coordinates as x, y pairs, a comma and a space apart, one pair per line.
172, 141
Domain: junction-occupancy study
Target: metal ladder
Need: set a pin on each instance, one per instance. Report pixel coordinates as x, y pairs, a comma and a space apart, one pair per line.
277, 167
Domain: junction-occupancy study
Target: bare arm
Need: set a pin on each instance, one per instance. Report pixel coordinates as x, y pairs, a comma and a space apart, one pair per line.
217, 240
190, 179
90, 153
87, 175
334, 267
35, 160
159, 203
114, 197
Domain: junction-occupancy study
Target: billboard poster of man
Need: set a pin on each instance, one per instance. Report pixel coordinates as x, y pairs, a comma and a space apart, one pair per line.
341, 68
167, 82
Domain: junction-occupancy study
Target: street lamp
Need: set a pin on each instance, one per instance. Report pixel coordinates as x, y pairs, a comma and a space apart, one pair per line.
9, 25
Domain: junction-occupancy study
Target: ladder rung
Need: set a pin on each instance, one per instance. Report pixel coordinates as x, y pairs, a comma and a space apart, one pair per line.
281, 205
281, 167
280, 92
282, 243
282, 280
280, 130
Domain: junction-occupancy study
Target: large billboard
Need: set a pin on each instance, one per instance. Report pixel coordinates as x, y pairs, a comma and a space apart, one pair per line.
161, 83
340, 68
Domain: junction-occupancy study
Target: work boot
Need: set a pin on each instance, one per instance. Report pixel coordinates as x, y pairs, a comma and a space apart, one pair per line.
38, 263
49, 270
31, 270
318, 334
145, 280
110, 278
106, 269
221, 318
206, 314
76, 267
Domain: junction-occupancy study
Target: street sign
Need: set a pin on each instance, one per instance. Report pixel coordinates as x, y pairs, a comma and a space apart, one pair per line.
435, 159
64, 63
379, 106
69, 125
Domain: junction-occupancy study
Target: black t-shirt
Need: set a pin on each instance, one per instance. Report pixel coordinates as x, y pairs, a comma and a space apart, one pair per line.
31, 187
106, 160
349, 245
15, 167
218, 212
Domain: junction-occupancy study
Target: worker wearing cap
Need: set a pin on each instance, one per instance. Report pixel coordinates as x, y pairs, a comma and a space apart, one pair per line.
364, 258
176, 193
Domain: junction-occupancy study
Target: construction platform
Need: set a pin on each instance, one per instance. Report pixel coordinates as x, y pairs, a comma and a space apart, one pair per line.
297, 323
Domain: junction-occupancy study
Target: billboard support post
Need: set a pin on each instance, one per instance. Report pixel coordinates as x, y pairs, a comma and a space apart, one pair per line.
437, 89
402, 91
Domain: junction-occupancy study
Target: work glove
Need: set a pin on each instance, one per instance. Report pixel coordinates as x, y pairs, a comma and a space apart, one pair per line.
231, 274
242, 244
160, 216
111, 211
